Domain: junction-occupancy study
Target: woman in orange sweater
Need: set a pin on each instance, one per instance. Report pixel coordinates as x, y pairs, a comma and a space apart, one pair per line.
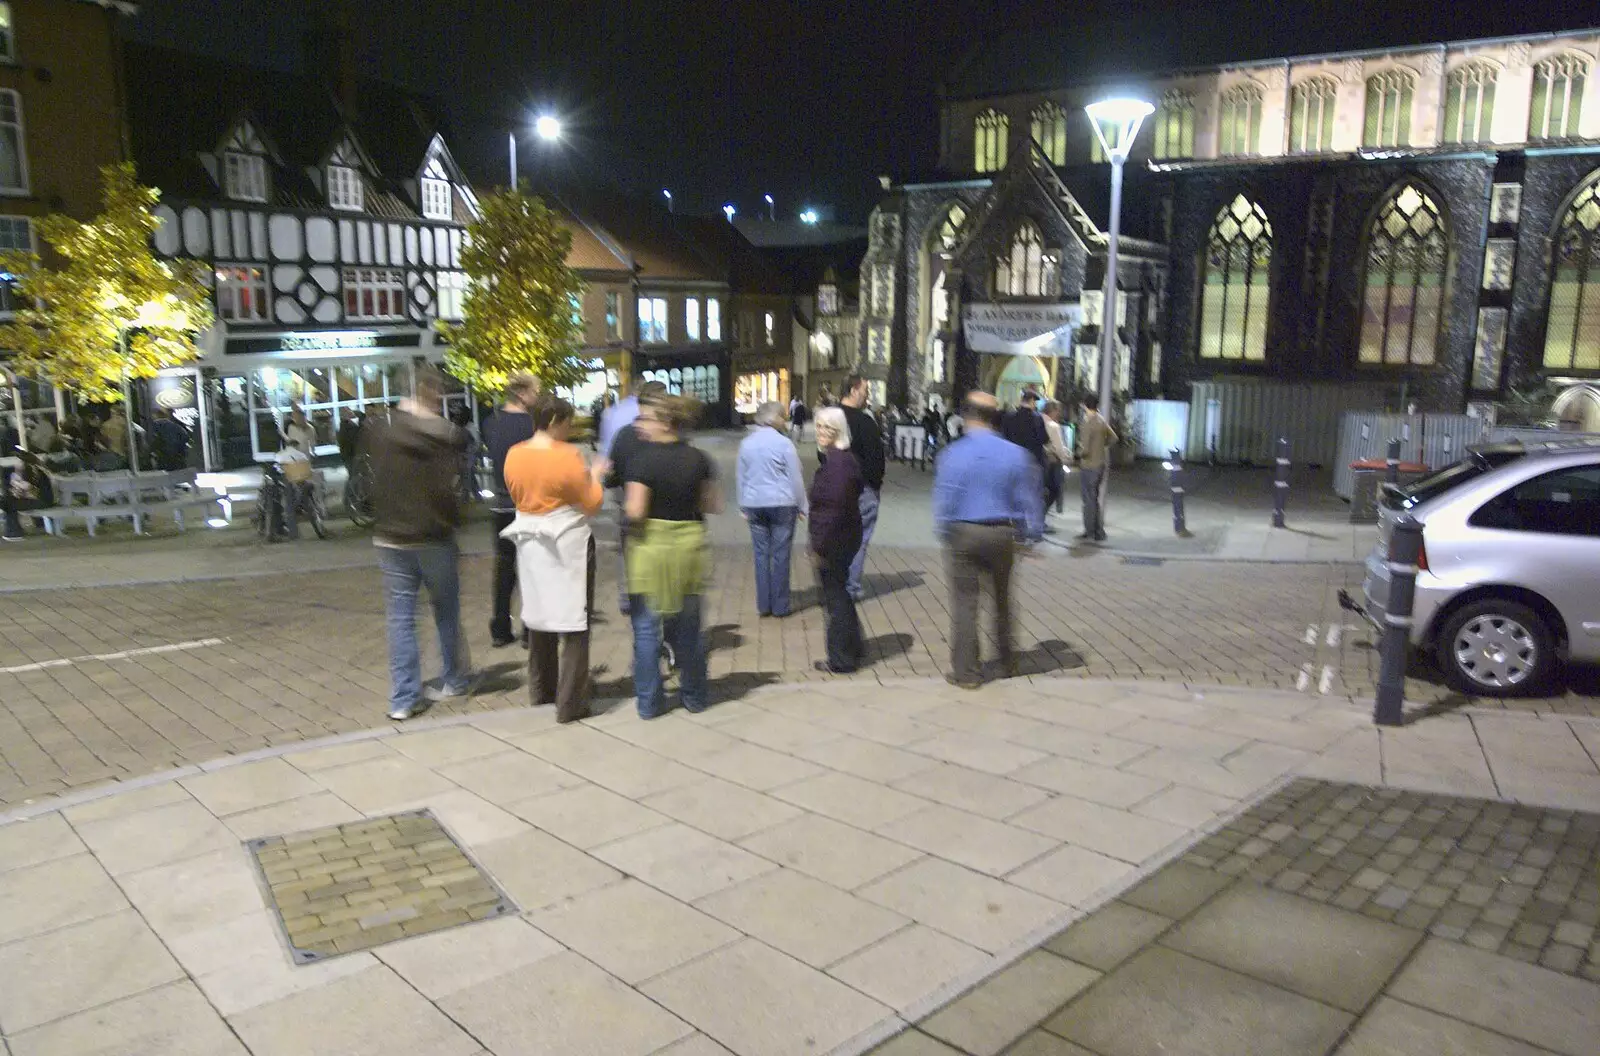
555, 494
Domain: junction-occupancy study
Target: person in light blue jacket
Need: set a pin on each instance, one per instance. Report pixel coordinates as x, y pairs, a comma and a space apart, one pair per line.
772, 496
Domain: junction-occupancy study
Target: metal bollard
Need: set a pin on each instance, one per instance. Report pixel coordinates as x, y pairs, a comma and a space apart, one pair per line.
1180, 527
1405, 547
1281, 485
1393, 473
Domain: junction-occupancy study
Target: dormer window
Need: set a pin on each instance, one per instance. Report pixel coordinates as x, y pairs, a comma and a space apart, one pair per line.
345, 190
244, 176
437, 199
828, 299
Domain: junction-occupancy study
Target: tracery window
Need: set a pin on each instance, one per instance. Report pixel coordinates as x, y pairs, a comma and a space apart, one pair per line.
1403, 289
989, 140
1572, 334
1049, 128
1237, 284
1469, 103
1557, 97
1175, 126
1388, 122
1026, 268
1240, 128
1312, 107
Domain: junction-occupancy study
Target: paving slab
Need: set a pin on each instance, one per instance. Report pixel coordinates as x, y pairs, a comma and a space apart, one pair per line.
1396, 1027
172, 1020
633, 931
830, 850
1000, 1010
76, 968
1109, 936
371, 1013
909, 966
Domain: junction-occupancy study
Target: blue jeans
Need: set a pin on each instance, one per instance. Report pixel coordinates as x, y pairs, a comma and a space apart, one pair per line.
405, 573
687, 640
772, 538
869, 521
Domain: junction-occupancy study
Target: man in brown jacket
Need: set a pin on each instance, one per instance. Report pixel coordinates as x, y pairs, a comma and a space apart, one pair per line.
1096, 438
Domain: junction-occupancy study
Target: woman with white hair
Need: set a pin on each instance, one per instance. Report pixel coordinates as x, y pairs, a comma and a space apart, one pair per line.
772, 494
835, 538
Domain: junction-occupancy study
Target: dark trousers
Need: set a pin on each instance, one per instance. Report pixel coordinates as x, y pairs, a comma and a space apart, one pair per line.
976, 552
1052, 485
839, 613
772, 539
558, 663
505, 576
1093, 484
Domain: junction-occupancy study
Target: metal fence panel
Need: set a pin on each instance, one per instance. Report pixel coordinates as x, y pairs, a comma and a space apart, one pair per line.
1432, 439
1159, 426
1240, 420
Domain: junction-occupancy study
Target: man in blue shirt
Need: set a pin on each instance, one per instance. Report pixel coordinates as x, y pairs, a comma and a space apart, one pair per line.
772, 494
987, 495
624, 412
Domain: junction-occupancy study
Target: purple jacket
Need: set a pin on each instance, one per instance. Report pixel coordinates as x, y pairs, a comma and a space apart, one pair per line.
836, 505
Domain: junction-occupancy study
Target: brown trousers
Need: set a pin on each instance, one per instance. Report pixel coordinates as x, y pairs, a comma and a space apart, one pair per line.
976, 552
558, 664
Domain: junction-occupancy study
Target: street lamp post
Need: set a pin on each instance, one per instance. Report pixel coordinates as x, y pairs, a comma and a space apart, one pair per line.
772, 209
546, 126
1116, 123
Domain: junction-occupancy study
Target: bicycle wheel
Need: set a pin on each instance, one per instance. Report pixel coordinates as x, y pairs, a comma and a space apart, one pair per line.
358, 503
317, 513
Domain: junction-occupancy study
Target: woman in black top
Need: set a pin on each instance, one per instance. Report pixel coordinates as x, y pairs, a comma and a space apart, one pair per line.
835, 538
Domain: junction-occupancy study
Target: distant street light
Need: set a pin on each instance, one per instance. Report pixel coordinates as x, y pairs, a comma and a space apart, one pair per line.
1116, 124
728, 211
772, 210
809, 216
668, 196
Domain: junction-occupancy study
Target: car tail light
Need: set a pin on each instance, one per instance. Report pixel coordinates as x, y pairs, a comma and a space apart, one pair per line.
1422, 555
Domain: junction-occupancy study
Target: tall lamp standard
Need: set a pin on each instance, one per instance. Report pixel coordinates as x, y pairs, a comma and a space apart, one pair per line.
546, 126
1116, 124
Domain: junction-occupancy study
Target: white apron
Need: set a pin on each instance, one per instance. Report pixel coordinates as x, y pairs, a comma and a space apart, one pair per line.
552, 569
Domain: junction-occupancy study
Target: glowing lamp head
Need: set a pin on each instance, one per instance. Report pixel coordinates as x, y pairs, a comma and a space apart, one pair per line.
728, 211
548, 127
809, 216
1116, 124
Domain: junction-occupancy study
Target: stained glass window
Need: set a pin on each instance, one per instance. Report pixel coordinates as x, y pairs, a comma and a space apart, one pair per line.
1240, 128
1557, 97
1403, 291
1050, 132
1572, 335
989, 140
1469, 103
1388, 121
1026, 268
1238, 284
1312, 106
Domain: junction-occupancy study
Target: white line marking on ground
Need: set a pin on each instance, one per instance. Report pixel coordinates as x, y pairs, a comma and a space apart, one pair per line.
1326, 682
151, 650
1334, 633
1304, 680
1311, 635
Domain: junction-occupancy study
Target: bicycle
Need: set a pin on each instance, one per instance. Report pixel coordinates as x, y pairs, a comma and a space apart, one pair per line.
271, 519
358, 494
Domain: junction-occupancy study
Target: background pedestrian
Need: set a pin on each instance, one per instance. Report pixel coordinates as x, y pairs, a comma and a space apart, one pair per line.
836, 534
1096, 438
618, 449
772, 494
507, 427
555, 495
865, 440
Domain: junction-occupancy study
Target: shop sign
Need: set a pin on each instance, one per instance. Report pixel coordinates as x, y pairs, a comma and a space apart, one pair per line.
329, 342
1021, 329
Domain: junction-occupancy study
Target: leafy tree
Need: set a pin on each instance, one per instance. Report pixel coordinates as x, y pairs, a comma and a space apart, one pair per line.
112, 311
520, 312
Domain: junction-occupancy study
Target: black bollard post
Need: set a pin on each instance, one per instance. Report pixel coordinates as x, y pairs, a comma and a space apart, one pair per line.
1405, 549
1392, 474
1180, 527
1281, 485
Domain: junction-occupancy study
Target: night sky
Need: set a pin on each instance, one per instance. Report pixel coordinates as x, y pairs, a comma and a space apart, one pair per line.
809, 100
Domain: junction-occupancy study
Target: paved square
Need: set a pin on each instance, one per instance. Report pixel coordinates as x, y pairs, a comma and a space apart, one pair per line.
352, 887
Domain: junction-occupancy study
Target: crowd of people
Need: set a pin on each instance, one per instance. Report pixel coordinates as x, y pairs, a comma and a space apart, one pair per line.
992, 483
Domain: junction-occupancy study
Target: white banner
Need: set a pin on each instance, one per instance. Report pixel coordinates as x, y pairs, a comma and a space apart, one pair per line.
1021, 329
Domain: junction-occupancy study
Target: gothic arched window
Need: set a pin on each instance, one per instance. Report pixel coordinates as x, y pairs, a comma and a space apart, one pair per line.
1026, 268
1469, 103
1175, 126
1240, 129
1388, 122
1050, 132
1311, 115
1403, 290
1572, 334
1237, 284
989, 140
1557, 97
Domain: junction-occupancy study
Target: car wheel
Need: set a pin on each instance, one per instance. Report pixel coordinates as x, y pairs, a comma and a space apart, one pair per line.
1496, 648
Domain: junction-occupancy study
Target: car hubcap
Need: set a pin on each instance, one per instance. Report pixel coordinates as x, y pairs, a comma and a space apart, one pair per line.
1496, 651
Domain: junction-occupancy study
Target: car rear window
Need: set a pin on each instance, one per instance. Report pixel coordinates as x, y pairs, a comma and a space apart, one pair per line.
1405, 496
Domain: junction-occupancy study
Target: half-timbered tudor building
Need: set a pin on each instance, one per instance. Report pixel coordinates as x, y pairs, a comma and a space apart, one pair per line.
332, 223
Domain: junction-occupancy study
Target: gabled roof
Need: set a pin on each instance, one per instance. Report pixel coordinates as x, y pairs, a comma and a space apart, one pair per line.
181, 106
726, 248
644, 234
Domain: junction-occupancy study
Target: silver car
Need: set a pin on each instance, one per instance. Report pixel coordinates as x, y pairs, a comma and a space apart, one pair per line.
1510, 572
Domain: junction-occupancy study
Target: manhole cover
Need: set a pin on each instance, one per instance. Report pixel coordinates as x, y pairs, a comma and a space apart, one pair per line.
351, 887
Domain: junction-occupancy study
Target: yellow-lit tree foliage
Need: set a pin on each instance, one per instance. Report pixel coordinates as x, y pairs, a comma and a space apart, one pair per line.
520, 311
112, 310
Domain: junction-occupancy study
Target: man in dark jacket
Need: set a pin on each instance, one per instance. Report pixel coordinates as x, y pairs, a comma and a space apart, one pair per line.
866, 441
505, 429
416, 465
620, 448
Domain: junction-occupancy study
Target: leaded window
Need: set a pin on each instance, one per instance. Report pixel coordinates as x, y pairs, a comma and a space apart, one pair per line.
1403, 289
1175, 126
1049, 129
1240, 128
951, 228
1572, 335
1469, 103
1237, 284
13, 153
1312, 106
1557, 97
244, 176
242, 293
989, 140
1388, 122
1026, 268
345, 189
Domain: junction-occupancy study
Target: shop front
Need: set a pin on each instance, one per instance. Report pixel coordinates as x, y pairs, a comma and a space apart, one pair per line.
702, 374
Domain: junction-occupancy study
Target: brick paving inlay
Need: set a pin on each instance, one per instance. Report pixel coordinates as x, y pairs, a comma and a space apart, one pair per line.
351, 887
